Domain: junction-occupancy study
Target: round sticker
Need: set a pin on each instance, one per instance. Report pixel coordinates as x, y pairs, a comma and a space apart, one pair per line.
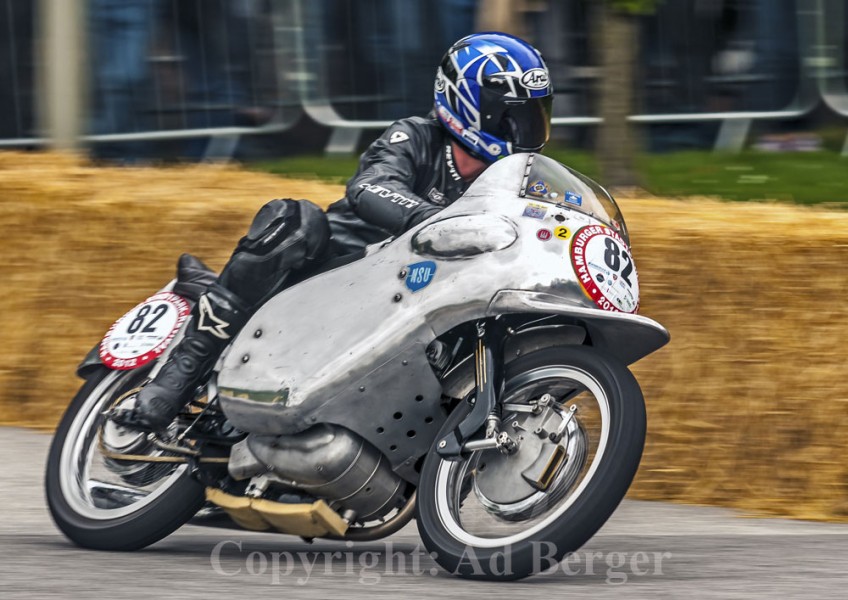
544, 234
605, 268
142, 334
561, 232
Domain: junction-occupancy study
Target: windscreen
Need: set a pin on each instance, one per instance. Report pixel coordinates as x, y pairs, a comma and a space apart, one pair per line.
549, 181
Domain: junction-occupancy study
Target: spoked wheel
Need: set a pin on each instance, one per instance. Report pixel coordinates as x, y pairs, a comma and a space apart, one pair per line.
579, 420
106, 503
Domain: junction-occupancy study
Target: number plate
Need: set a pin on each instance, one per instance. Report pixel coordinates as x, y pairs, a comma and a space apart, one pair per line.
605, 268
142, 334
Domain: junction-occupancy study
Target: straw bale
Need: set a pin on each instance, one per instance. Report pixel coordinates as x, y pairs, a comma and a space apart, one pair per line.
747, 406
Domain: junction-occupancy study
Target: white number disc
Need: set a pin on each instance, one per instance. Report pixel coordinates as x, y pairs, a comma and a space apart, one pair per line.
142, 334
605, 268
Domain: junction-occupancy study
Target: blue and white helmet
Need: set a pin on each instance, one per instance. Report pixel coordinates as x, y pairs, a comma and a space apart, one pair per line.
493, 94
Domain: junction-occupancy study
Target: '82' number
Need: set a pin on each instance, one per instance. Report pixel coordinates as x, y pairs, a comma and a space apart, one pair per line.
613, 257
138, 322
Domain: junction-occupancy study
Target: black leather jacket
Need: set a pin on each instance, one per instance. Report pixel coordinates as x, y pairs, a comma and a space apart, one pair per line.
404, 177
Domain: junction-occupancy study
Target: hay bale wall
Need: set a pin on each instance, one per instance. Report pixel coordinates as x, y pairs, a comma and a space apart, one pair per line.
748, 405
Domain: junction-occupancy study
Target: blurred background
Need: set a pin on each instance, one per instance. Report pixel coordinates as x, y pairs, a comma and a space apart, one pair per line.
149, 80
679, 104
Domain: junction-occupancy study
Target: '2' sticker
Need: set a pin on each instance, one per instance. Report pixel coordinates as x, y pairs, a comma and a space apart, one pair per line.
420, 275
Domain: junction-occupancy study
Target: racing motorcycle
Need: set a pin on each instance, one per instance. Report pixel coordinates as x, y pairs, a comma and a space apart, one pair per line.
471, 373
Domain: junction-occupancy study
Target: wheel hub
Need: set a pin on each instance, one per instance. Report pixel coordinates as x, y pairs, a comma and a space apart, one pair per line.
552, 450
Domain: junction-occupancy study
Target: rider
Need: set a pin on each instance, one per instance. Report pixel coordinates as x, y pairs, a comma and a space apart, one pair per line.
492, 98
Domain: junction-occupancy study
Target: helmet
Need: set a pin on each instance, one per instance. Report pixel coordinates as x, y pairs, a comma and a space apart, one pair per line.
493, 94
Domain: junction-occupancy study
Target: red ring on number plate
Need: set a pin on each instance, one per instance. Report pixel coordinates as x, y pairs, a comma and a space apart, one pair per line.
141, 335
615, 290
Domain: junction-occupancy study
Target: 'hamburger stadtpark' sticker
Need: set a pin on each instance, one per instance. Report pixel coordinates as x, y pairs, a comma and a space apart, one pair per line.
141, 335
605, 269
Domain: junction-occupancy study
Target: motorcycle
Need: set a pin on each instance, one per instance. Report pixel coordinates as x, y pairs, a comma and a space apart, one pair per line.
471, 373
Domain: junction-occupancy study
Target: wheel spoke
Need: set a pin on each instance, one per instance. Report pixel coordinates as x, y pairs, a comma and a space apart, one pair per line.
98, 487
110, 495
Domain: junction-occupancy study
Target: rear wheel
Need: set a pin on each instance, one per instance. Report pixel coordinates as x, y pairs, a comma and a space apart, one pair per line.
110, 504
496, 516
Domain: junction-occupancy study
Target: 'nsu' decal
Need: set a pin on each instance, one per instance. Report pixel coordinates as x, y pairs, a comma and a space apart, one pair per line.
420, 275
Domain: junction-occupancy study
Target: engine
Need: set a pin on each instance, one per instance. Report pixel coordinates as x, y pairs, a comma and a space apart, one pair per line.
327, 462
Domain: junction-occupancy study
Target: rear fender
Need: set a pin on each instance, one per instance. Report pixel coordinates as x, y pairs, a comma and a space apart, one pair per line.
91, 363
193, 279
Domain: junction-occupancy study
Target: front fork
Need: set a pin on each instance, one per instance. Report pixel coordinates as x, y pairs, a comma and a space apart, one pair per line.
488, 375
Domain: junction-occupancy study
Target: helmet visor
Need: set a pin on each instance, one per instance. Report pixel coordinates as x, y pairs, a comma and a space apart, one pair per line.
526, 122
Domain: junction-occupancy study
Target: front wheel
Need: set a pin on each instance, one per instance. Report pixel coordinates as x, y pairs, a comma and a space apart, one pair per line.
579, 419
110, 504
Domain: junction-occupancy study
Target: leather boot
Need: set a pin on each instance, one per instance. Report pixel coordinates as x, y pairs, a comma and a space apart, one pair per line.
217, 317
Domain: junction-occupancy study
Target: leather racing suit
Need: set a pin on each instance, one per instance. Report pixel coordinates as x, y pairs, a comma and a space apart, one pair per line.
404, 177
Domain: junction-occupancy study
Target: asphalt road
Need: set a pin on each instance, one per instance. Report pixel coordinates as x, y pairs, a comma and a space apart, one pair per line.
647, 550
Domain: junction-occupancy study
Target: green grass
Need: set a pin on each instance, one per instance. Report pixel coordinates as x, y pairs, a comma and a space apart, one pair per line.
332, 169
804, 178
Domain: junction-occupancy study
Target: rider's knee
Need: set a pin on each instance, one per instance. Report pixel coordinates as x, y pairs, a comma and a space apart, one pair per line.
285, 235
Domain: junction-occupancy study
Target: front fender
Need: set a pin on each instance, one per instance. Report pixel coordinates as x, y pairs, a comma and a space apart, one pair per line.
624, 336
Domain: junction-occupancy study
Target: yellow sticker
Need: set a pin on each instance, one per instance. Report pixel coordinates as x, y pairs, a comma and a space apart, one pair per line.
562, 233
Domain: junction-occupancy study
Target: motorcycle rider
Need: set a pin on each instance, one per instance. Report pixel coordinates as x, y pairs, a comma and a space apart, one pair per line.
492, 97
